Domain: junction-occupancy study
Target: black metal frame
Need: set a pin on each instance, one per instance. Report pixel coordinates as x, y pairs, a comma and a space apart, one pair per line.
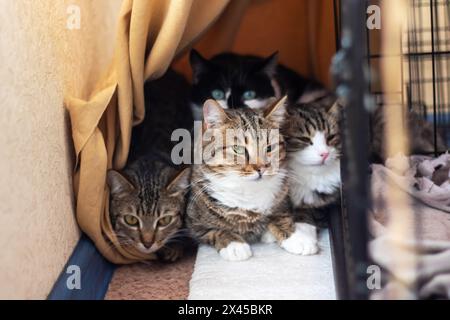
354, 85
349, 228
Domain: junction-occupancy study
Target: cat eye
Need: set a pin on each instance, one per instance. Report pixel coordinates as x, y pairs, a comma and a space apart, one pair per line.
249, 95
238, 149
131, 220
218, 94
165, 221
271, 148
305, 140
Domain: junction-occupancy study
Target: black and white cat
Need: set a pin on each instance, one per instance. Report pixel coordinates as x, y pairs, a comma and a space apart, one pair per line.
237, 81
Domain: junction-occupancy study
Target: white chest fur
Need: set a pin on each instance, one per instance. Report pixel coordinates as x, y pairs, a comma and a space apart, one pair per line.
306, 181
257, 195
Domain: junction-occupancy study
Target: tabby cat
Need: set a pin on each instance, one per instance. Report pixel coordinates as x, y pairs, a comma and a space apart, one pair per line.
237, 81
147, 201
243, 197
314, 150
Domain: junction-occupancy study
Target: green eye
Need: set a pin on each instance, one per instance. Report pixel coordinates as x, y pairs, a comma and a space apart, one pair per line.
218, 94
270, 148
249, 95
239, 149
165, 221
131, 220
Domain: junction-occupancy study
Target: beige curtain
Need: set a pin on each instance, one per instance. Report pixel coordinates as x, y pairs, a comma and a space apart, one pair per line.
150, 34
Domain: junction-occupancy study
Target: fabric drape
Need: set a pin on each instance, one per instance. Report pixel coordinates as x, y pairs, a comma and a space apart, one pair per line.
150, 34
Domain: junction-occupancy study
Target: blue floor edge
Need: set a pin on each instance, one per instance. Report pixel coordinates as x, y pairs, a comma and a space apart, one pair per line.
86, 275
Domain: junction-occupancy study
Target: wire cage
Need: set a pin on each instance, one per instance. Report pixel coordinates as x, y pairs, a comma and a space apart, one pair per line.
424, 63
427, 64
423, 60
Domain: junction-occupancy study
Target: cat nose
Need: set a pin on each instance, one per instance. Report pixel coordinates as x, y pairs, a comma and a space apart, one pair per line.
147, 240
230, 102
324, 155
261, 170
147, 244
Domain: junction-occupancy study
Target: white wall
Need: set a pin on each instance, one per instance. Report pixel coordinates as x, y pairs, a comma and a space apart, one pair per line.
40, 60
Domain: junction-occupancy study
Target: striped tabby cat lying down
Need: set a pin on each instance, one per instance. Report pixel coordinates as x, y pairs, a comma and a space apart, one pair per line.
242, 196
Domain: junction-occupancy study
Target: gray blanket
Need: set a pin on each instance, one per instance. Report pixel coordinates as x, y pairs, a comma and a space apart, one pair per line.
426, 182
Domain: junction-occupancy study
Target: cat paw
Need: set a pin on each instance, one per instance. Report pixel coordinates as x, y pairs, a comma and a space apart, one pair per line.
268, 237
170, 254
236, 251
303, 241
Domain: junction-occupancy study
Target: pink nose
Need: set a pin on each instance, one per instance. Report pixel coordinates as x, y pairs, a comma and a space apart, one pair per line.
261, 171
324, 155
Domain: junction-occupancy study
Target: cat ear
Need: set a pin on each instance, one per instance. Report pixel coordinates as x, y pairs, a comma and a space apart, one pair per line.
213, 113
118, 183
198, 64
277, 111
180, 183
335, 110
269, 65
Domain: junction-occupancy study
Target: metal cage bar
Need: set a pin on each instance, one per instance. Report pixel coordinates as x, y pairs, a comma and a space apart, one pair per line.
350, 71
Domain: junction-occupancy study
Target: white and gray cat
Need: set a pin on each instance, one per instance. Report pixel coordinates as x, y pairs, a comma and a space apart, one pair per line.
314, 152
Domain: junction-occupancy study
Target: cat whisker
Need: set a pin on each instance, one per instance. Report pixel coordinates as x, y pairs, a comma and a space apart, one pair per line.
196, 195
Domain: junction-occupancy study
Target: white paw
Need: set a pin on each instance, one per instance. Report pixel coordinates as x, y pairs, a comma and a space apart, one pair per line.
236, 251
268, 237
303, 241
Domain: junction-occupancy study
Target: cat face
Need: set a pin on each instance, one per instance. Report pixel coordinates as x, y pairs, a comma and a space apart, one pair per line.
233, 81
312, 134
252, 148
146, 215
